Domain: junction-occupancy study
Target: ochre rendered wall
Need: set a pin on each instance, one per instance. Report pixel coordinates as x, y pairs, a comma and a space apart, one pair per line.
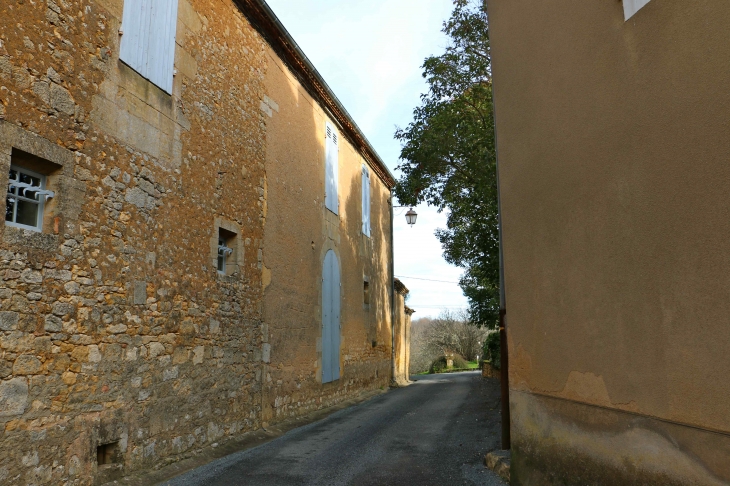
298, 233
613, 151
401, 336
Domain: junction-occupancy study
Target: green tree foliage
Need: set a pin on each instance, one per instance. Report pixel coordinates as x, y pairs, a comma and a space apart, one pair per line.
492, 350
448, 157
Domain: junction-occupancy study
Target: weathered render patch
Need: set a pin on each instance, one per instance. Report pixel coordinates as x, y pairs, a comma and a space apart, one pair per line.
561, 442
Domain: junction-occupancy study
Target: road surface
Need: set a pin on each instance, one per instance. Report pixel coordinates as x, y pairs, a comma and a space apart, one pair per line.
433, 432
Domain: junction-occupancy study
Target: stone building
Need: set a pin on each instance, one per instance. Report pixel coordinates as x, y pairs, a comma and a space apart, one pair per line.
327, 254
613, 157
401, 335
167, 233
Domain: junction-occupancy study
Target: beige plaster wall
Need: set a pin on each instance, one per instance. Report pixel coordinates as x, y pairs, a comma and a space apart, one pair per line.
298, 233
613, 150
400, 370
401, 337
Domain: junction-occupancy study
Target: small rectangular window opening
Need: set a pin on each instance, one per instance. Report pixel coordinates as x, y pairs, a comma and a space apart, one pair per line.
108, 454
366, 292
226, 241
29, 200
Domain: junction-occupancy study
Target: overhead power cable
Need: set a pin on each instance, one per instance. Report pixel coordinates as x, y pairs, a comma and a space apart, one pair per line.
427, 279
437, 306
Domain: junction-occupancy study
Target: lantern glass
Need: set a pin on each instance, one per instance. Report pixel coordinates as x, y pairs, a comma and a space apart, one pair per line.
411, 216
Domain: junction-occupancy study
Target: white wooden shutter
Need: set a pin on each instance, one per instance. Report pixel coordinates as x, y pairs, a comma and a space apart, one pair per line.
148, 39
365, 200
633, 6
331, 199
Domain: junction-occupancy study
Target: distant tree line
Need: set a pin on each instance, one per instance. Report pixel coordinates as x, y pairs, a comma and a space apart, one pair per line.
449, 333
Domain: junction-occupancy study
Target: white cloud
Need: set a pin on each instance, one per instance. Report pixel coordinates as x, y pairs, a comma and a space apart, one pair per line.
370, 52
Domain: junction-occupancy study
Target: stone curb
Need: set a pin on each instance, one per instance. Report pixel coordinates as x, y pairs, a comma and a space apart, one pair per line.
498, 461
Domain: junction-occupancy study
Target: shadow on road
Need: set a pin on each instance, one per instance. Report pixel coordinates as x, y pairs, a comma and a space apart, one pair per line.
435, 431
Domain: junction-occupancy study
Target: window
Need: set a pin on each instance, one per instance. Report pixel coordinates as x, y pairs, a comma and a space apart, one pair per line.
331, 198
226, 250
223, 253
365, 200
148, 39
25, 198
42, 196
226, 247
366, 293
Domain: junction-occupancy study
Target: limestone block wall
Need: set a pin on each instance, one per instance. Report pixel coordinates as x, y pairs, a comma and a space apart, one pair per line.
121, 347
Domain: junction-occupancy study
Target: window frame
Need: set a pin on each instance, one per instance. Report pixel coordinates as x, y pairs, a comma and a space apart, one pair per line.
231, 250
41, 201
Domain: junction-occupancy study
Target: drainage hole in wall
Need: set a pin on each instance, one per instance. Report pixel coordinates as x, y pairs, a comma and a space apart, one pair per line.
107, 453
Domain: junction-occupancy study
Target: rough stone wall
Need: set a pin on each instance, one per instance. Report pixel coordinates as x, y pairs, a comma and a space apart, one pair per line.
298, 233
114, 324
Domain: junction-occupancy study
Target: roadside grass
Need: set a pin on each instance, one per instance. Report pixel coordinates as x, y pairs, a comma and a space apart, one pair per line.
470, 366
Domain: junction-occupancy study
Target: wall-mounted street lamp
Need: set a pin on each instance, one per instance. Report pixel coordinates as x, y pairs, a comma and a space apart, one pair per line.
411, 216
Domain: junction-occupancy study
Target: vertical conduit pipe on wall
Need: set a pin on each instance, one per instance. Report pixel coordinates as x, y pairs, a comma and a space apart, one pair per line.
392, 295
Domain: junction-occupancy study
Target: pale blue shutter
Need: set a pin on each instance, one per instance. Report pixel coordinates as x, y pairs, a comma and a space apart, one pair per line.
365, 200
335, 318
148, 39
327, 318
331, 199
330, 318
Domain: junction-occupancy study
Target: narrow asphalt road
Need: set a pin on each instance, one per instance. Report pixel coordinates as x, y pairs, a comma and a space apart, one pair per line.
433, 432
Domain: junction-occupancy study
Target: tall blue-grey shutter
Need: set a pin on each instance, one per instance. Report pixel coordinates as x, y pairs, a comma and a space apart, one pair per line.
148, 39
330, 318
327, 318
365, 200
336, 318
331, 199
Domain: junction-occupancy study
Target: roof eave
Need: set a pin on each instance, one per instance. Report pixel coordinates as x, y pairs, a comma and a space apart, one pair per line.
270, 27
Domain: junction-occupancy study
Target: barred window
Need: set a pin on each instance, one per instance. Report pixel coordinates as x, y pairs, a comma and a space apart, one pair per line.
224, 251
25, 198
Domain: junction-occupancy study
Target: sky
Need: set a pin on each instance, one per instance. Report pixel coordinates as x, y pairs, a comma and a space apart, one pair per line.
370, 53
